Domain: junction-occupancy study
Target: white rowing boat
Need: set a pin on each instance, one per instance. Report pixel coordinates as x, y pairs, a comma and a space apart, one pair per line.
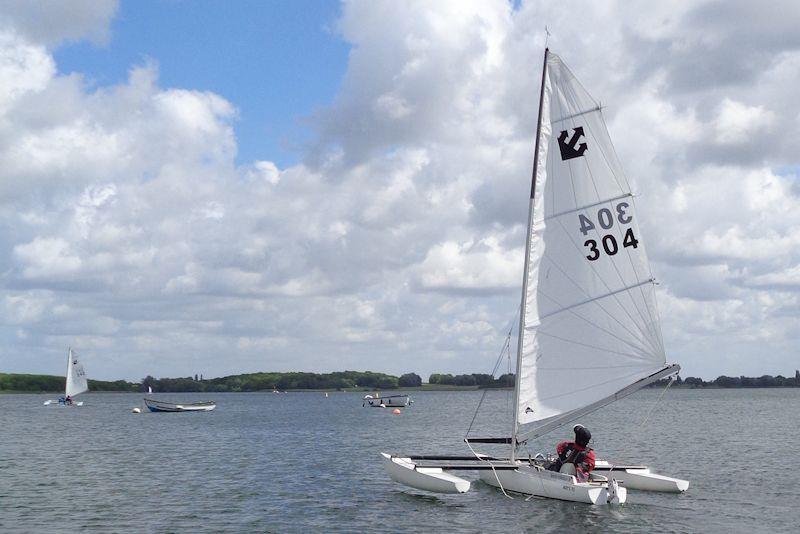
163, 406
387, 401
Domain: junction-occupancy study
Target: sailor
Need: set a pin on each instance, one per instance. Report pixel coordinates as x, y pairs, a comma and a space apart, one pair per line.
576, 457
68, 400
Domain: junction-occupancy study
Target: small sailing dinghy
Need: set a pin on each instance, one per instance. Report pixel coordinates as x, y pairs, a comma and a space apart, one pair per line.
589, 331
163, 406
76, 382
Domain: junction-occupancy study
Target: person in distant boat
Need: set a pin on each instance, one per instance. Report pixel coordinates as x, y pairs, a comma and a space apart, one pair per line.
68, 400
575, 457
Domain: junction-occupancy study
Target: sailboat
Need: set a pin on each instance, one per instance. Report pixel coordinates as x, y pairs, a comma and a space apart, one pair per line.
76, 382
589, 332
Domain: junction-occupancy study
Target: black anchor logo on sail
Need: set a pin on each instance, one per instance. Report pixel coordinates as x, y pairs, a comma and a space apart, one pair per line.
570, 149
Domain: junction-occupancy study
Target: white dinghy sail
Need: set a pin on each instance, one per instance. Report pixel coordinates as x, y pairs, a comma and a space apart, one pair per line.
589, 331
76, 376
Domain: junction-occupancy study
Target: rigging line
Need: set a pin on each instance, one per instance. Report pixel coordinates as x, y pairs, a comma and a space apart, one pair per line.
505, 348
587, 345
483, 395
645, 340
648, 325
641, 349
494, 471
658, 400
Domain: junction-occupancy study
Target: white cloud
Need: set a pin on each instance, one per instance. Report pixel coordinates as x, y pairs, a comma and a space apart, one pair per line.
397, 244
737, 123
51, 23
47, 258
485, 265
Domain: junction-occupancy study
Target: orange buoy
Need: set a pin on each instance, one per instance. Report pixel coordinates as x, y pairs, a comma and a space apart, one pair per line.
396, 411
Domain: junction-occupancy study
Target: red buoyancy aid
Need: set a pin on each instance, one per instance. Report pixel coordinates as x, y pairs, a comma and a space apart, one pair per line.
571, 452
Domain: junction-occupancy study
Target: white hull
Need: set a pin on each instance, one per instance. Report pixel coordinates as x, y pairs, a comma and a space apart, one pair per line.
524, 479
543, 483
641, 478
433, 479
162, 406
53, 402
393, 401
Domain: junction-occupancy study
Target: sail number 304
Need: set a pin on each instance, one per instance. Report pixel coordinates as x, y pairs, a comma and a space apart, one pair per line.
605, 220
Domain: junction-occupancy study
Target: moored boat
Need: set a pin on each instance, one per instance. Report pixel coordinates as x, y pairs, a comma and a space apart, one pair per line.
164, 406
387, 401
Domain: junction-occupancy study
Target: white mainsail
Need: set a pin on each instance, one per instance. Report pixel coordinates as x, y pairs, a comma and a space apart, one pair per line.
76, 376
589, 328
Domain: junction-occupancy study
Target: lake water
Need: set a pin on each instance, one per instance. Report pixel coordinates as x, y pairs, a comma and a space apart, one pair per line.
300, 462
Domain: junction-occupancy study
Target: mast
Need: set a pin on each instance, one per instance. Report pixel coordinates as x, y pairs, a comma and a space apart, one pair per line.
527, 261
69, 369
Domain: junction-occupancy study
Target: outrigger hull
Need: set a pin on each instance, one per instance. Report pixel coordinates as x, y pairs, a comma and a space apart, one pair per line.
641, 478
434, 479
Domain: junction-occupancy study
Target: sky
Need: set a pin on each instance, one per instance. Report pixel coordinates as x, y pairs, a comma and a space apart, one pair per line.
220, 188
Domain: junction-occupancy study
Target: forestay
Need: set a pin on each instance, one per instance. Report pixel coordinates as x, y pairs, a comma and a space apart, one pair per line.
76, 376
590, 325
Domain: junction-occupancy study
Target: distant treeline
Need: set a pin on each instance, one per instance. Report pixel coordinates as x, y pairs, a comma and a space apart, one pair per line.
277, 381
481, 380
49, 383
765, 381
245, 382
340, 380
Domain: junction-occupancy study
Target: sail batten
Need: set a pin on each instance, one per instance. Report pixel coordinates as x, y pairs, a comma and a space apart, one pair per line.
598, 297
587, 206
588, 292
578, 114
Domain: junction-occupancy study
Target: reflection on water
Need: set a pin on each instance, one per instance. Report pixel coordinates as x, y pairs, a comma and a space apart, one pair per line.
301, 461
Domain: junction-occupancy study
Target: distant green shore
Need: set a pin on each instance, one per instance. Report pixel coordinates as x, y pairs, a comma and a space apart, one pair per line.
362, 381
